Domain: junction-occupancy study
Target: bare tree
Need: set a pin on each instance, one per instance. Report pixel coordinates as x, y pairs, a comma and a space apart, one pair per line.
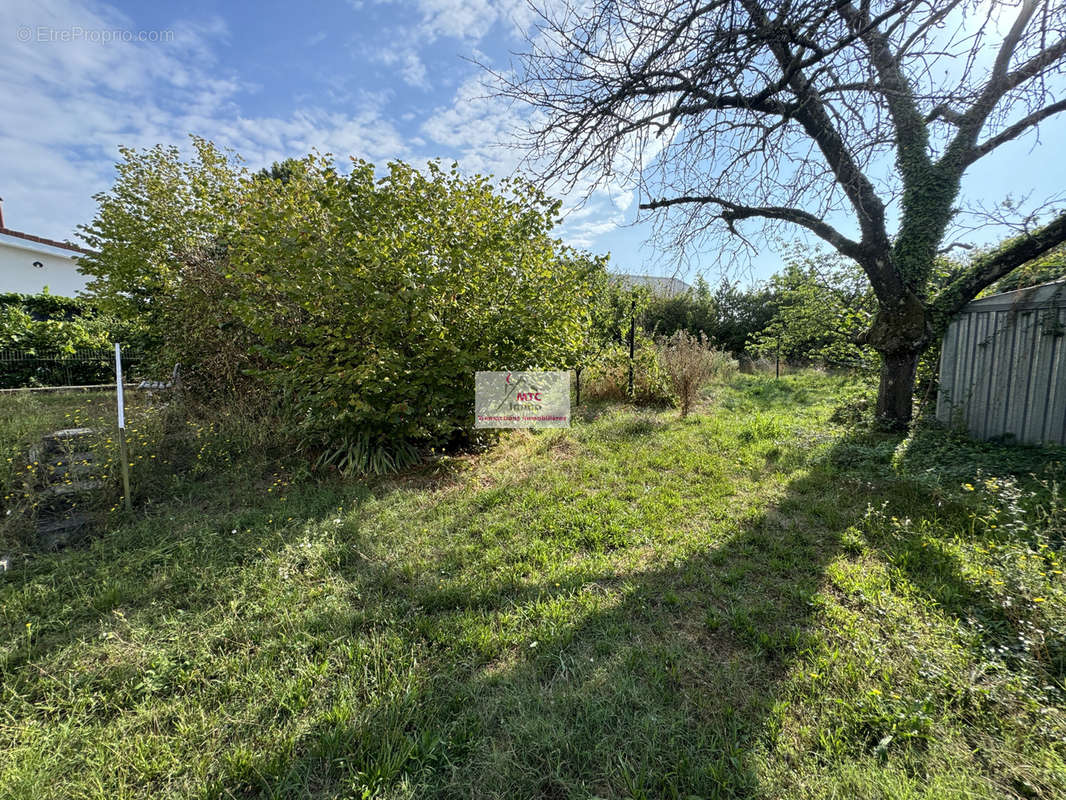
792, 111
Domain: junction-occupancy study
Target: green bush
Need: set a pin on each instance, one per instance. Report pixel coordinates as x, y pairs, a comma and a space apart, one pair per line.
375, 300
46, 306
693, 312
358, 305
204, 333
729, 316
46, 331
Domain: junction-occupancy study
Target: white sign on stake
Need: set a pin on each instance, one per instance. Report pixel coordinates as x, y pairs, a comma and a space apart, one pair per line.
122, 450
522, 399
118, 388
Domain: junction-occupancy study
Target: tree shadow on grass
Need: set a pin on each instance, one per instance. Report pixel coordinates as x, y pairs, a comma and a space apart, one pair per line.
134, 569
938, 464
665, 681
659, 680
651, 683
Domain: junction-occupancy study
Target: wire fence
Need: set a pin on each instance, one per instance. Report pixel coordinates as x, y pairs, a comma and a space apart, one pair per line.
24, 369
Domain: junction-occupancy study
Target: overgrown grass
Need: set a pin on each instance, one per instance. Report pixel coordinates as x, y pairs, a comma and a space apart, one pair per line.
175, 447
25, 417
750, 602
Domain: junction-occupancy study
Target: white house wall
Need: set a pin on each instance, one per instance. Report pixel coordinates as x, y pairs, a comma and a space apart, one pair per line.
58, 271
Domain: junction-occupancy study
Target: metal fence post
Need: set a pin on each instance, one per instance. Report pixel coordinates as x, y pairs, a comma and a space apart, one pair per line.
632, 337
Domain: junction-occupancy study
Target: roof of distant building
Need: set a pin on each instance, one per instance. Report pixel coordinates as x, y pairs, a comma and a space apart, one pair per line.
656, 284
28, 240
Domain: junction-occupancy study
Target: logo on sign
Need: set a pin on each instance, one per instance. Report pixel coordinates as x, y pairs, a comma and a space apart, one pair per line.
522, 399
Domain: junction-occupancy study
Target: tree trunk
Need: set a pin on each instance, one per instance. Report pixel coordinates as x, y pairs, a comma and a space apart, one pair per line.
900, 333
895, 397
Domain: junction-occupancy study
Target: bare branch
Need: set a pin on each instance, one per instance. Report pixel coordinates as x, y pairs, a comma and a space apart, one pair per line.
1034, 66
1001, 82
1013, 131
732, 212
942, 111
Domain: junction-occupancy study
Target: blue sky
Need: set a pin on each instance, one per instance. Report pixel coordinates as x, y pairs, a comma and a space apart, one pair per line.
378, 79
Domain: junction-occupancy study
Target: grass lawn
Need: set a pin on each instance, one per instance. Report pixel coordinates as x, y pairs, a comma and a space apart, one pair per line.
752, 602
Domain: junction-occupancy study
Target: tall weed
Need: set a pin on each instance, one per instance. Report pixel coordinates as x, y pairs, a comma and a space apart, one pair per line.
691, 363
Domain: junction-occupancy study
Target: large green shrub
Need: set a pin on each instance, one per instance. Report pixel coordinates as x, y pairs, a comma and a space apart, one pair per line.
360, 304
692, 311
376, 300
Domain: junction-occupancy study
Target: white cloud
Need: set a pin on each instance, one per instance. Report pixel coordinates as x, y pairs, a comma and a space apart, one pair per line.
471, 20
468, 21
481, 128
69, 105
404, 56
585, 234
478, 126
623, 200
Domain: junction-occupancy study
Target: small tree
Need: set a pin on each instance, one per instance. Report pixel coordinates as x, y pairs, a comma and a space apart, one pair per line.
824, 303
161, 211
